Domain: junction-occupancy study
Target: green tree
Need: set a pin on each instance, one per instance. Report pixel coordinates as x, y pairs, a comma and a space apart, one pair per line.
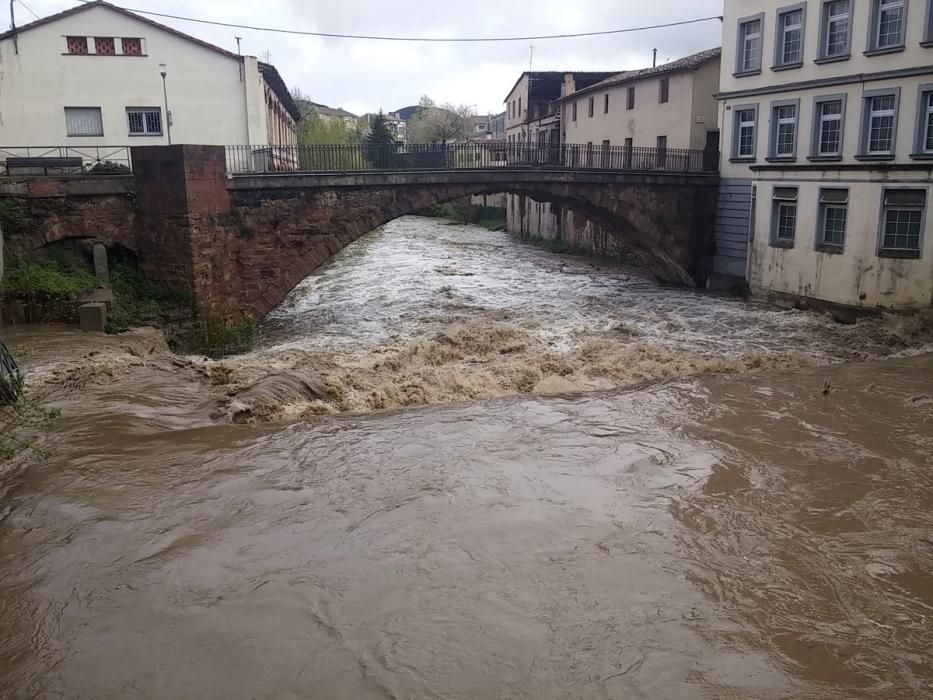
432, 123
379, 132
380, 146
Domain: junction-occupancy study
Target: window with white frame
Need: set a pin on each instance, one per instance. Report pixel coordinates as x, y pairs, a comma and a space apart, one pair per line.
834, 30
828, 114
784, 217
833, 218
902, 214
84, 121
789, 44
784, 131
744, 135
924, 145
879, 125
887, 24
749, 57
144, 121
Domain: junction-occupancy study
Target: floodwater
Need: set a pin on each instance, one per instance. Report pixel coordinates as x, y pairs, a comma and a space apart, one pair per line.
472, 469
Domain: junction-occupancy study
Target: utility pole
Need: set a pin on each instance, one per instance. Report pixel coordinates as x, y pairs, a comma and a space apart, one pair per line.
531, 57
13, 28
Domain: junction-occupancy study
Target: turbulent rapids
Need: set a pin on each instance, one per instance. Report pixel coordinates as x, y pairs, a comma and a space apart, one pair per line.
599, 488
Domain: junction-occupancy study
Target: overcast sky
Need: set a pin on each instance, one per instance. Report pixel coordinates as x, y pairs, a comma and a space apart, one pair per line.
363, 76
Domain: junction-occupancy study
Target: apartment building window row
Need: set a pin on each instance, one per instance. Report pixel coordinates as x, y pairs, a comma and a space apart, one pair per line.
900, 223
886, 33
878, 127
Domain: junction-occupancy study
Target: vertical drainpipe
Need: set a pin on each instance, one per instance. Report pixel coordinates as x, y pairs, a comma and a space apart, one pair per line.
245, 98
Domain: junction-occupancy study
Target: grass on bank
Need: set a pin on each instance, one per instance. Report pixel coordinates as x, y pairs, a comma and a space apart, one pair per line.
49, 285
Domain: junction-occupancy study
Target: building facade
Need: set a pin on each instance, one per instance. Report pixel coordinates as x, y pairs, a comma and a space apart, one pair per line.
673, 105
332, 114
93, 76
532, 113
827, 114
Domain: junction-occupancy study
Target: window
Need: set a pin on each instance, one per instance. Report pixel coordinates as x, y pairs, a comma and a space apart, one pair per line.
606, 103
788, 46
924, 145
784, 217
630, 98
902, 222
592, 106
832, 219
886, 25
828, 120
834, 31
749, 45
665, 92
784, 129
144, 121
519, 114
879, 125
574, 110
132, 47
744, 134
84, 121
77, 45
104, 46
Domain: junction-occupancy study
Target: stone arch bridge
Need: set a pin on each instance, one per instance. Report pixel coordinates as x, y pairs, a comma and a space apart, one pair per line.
240, 244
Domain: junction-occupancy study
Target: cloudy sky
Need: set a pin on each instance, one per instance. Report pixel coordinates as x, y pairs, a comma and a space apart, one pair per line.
363, 76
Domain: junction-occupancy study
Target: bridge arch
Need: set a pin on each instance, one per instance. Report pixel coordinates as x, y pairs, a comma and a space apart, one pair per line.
302, 228
242, 243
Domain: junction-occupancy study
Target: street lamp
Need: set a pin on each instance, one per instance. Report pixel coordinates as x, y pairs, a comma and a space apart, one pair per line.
168, 114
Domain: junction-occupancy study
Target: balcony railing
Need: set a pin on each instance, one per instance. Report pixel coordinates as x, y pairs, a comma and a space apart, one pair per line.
65, 160
456, 156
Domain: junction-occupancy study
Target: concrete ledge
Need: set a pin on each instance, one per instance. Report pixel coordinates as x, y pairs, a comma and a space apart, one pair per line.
485, 177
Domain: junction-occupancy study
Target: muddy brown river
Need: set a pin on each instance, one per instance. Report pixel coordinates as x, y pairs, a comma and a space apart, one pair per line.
459, 467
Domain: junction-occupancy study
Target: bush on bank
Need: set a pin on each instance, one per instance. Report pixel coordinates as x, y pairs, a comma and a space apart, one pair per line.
461, 211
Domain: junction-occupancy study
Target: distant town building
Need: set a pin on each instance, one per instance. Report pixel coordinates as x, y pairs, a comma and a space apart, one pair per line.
669, 106
827, 114
330, 114
672, 106
532, 112
487, 128
93, 75
398, 127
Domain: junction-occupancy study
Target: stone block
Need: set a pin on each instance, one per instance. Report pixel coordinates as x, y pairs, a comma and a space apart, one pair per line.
93, 317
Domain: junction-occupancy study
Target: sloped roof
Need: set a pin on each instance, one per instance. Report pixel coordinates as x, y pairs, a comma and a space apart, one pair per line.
556, 73
268, 71
691, 62
331, 111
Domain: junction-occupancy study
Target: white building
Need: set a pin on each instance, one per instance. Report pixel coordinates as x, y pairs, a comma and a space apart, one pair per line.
93, 76
827, 114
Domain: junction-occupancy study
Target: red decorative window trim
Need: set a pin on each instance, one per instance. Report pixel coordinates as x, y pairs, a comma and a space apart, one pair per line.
77, 45
105, 46
132, 46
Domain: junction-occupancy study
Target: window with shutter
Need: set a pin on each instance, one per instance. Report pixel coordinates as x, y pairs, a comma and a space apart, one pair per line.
84, 121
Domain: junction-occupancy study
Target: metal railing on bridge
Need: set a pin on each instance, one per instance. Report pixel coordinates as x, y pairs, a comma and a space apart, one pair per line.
454, 156
65, 160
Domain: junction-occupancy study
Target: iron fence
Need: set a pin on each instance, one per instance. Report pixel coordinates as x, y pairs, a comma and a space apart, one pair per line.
65, 160
451, 156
